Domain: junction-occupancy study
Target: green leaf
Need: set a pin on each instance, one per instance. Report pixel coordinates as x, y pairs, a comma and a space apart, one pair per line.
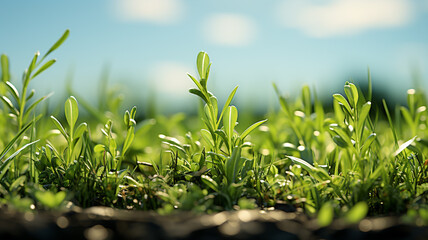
44, 67
198, 93
368, 142
58, 43
9, 104
233, 165
223, 136
325, 215
71, 112
13, 141
363, 114
214, 104
60, 127
340, 141
133, 112
99, 148
394, 132
341, 133
305, 165
210, 182
80, 130
126, 118
202, 63
31, 67
4, 68
404, 146
357, 213
13, 91
5, 165
306, 97
229, 122
128, 140
33, 105
319, 174
227, 103
17, 183
29, 96
407, 116
251, 128
200, 87
342, 101
50, 199
351, 92
206, 135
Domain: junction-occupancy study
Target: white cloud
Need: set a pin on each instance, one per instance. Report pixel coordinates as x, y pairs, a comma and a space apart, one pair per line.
171, 78
229, 29
157, 11
343, 17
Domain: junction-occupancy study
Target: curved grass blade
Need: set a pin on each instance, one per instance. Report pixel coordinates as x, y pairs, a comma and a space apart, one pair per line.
71, 112
228, 101
5, 165
404, 146
210, 182
342, 101
44, 67
57, 43
13, 91
251, 128
14, 140
32, 106
229, 122
202, 62
59, 127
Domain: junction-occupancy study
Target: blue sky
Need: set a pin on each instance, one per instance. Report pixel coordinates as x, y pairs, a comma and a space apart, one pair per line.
149, 45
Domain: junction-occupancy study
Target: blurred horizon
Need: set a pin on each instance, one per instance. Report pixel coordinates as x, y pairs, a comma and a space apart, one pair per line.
148, 46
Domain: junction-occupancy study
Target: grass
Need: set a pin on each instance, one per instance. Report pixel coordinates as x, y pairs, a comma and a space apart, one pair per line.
347, 162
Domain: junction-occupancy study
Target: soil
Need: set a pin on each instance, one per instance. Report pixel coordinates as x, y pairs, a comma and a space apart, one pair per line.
102, 223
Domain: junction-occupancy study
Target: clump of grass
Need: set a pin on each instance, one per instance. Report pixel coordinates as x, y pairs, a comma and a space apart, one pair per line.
343, 162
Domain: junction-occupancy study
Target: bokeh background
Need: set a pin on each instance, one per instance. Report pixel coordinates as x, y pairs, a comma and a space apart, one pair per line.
146, 47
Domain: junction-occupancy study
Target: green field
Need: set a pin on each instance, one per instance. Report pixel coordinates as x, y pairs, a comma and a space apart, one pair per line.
354, 160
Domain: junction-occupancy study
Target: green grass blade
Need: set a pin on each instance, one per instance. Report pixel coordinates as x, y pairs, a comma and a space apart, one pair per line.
391, 125
325, 215
33, 105
233, 165
44, 67
13, 91
198, 84
14, 140
357, 213
227, 103
368, 142
58, 43
404, 146
210, 182
202, 63
229, 122
198, 93
9, 104
5, 165
251, 128
71, 112
342, 101
59, 127
5, 76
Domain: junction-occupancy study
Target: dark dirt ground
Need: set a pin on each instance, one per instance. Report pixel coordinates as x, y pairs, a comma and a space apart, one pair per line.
102, 223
